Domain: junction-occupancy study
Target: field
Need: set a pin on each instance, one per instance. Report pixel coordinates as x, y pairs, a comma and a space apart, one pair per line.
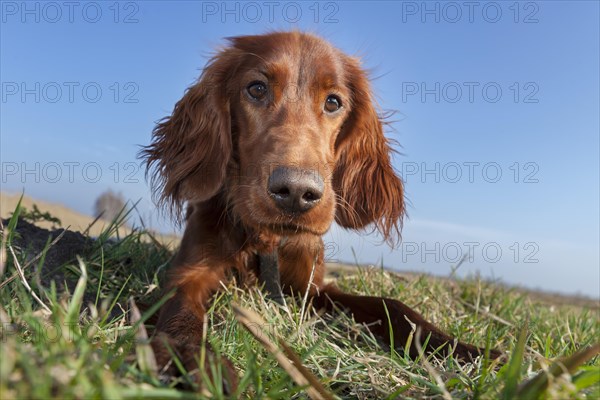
72, 328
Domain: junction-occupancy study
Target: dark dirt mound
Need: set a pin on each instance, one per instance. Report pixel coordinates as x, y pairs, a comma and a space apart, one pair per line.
29, 241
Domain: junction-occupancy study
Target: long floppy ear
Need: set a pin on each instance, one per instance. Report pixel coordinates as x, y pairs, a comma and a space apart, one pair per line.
190, 149
370, 192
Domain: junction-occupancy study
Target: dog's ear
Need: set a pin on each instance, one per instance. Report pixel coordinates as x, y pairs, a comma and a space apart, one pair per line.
190, 149
369, 190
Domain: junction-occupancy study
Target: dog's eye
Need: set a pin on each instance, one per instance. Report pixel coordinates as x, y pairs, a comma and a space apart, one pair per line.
257, 90
333, 103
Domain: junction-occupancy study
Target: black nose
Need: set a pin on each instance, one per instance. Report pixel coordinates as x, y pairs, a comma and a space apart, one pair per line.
295, 190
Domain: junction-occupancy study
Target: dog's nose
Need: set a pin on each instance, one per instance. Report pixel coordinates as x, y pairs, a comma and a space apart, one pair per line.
295, 190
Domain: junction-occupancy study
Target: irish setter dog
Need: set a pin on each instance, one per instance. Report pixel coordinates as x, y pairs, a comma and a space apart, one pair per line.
279, 137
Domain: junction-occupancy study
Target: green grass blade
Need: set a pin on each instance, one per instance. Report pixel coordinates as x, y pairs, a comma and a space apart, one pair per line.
12, 223
587, 378
72, 317
391, 328
100, 278
513, 371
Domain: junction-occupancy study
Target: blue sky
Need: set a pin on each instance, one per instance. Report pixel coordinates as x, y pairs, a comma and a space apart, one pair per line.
498, 116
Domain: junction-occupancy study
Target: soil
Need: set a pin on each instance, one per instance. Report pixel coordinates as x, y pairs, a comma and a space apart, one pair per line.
30, 241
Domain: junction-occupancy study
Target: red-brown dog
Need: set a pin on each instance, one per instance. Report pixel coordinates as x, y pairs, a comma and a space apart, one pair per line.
278, 138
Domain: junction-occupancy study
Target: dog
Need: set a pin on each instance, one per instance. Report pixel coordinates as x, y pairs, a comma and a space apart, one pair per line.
279, 138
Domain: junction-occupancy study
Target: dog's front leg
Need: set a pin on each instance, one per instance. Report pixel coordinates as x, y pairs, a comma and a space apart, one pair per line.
197, 273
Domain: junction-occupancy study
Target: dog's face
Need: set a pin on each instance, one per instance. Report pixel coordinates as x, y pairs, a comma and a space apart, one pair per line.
291, 98
285, 127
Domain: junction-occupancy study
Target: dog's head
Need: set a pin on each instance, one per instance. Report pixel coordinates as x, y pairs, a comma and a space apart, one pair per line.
284, 125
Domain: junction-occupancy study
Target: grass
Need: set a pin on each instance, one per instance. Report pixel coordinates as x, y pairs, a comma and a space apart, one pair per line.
89, 341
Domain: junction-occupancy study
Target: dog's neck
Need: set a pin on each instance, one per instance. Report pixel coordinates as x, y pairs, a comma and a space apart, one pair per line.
262, 243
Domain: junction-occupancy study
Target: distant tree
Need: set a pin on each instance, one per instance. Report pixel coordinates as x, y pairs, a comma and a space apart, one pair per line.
109, 205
